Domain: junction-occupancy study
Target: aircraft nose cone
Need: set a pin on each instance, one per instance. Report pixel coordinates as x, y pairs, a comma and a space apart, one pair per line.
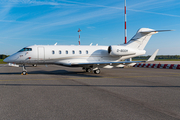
6, 60
9, 59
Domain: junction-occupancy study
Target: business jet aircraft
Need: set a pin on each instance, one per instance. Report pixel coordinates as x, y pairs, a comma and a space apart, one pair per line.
90, 58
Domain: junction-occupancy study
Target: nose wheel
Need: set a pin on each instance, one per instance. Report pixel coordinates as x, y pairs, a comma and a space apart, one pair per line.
24, 72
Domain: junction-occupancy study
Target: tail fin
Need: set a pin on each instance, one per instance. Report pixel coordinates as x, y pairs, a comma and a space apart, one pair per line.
142, 37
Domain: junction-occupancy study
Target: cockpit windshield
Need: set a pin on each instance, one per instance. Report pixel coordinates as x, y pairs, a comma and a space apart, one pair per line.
25, 49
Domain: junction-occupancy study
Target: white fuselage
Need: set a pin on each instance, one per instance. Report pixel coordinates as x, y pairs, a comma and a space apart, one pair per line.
64, 54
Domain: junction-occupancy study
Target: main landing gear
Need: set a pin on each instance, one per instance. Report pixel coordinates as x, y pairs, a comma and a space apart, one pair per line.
95, 70
34, 65
24, 72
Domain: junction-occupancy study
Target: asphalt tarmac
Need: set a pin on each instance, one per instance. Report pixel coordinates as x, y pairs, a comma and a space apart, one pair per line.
62, 93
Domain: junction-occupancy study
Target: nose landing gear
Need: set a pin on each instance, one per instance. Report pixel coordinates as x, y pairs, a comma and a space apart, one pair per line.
24, 72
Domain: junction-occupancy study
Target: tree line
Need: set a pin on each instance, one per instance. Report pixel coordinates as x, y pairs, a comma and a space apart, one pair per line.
3, 56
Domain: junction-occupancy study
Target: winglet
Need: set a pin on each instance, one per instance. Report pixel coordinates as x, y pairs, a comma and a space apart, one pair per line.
153, 56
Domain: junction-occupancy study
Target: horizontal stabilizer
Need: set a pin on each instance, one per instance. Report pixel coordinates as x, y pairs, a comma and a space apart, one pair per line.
155, 31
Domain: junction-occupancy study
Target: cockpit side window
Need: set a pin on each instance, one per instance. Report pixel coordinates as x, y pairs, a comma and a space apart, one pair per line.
25, 49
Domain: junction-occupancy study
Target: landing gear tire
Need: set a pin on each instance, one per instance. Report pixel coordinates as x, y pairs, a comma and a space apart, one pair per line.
24, 73
97, 71
34, 65
88, 69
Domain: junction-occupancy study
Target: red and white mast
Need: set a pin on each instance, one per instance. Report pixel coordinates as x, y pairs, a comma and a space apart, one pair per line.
79, 35
125, 32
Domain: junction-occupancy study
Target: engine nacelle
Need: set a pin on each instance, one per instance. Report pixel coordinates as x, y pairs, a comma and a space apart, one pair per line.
120, 51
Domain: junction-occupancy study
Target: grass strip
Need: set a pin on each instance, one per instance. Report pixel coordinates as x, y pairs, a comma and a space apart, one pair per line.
1, 61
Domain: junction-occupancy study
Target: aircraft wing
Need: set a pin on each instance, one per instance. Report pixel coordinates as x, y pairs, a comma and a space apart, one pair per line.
81, 64
104, 63
111, 63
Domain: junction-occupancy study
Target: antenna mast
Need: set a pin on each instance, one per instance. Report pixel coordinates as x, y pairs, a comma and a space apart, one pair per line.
79, 35
125, 32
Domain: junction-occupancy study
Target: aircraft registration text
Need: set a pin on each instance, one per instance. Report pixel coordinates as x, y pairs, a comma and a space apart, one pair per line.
122, 50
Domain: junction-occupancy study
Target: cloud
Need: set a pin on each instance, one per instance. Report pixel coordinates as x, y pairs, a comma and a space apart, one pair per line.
7, 21
149, 3
56, 18
91, 27
83, 16
170, 15
5, 10
67, 17
91, 5
29, 2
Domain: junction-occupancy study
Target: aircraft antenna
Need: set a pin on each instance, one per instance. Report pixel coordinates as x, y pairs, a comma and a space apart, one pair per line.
125, 31
79, 35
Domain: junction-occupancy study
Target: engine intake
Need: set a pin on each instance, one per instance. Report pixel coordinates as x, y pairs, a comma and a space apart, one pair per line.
109, 49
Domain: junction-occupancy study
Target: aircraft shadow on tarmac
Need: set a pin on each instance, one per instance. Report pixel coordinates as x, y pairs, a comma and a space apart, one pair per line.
65, 72
56, 85
57, 72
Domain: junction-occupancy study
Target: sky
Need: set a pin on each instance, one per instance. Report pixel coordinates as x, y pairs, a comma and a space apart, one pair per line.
30, 22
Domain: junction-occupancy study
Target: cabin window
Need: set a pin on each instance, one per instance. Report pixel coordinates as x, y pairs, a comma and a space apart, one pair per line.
86, 51
80, 52
73, 52
53, 52
60, 52
66, 52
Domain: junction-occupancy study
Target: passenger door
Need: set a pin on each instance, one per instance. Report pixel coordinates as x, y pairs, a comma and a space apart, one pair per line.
41, 54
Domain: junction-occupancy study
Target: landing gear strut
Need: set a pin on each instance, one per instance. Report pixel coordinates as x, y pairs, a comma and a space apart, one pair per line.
24, 72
